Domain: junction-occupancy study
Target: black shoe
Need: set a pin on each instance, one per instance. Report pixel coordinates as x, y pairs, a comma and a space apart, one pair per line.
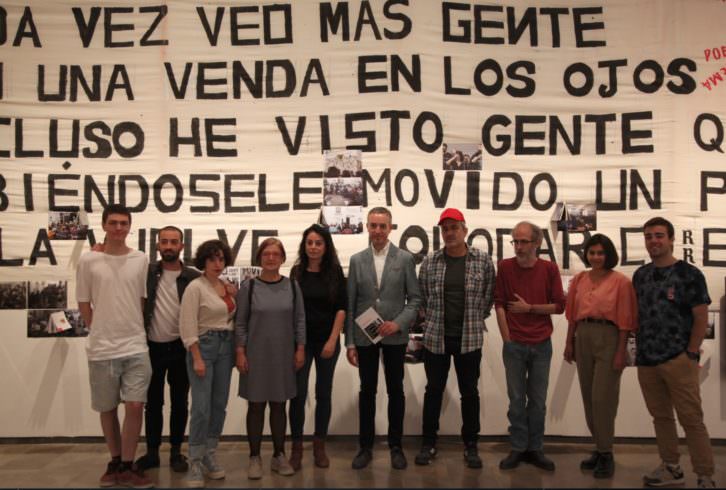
605, 466
538, 459
425, 456
362, 459
590, 463
178, 463
148, 461
471, 456
512, 460
398, 459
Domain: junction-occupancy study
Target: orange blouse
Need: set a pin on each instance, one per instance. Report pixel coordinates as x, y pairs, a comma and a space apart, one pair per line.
612, 298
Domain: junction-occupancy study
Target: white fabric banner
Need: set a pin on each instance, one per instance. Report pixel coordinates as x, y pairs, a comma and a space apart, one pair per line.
216, 117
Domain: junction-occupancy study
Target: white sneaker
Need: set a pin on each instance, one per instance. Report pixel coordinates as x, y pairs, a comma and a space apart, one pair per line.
664, 475
281, 465
254, 471
211, 467
195, 477
706, 482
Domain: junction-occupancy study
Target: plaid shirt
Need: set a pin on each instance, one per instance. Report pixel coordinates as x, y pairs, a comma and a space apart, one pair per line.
479, 279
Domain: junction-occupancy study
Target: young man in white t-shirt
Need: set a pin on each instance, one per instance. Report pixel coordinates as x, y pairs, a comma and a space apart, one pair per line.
111, 287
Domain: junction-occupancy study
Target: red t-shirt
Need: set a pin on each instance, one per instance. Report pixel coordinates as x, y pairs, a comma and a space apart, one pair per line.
538, 285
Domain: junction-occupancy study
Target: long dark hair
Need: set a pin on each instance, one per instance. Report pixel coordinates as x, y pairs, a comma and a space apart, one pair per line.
329, 265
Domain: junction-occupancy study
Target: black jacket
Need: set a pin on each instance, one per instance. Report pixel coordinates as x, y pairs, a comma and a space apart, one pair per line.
152, 282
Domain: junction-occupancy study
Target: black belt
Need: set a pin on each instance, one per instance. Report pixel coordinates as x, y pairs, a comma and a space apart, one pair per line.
601, 321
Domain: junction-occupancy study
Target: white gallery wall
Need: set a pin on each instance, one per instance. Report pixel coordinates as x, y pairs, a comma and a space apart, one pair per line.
215, 116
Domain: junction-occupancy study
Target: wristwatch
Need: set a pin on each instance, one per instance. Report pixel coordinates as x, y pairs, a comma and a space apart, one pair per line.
694, 356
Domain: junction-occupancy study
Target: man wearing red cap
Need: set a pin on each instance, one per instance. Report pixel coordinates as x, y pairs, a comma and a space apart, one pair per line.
528, 292
457, 287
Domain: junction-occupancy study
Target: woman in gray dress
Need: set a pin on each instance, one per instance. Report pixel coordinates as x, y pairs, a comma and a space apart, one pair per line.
270, 336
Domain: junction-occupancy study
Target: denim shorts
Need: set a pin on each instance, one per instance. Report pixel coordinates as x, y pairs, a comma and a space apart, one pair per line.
116, 380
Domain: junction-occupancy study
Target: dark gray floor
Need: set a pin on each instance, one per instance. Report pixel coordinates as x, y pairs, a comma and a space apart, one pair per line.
81, 464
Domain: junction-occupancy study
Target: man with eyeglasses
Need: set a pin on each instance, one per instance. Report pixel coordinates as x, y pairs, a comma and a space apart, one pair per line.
457, 284
528, 291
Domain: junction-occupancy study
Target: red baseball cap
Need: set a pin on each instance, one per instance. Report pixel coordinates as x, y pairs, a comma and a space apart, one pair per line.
451, 213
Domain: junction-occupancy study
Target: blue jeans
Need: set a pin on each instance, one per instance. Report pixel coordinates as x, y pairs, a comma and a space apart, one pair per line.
527, 368
211, 392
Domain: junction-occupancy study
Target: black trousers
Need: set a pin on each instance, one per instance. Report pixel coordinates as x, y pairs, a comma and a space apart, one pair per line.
368, 361
168, 361
437, 372
324, 370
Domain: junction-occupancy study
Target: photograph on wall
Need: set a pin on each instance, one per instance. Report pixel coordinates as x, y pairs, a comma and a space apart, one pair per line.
575, 216
56, 323
714, 320
67, 226
581, 216
13, 295
343, 163
462, 156
343, 220
238, 275
343, 191
47, 294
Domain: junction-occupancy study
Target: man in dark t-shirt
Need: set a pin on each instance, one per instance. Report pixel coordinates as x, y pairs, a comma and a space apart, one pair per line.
672, 312
457, 284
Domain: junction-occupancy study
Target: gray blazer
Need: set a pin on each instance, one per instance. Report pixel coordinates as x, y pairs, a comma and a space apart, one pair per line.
397, 298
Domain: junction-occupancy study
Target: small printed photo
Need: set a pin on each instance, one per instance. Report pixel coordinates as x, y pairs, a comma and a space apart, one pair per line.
343, 163
714, 318
237, 275
56, 323
343, 220
581, 216
462, 156
343, 191
373, 327
13, 295
66, 226
47, 294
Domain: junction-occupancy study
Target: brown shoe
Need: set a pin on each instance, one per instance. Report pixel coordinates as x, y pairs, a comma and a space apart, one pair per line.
133, 477
296, 454
321, 459
108, 479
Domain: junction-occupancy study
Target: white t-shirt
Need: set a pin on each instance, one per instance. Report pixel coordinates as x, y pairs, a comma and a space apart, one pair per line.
114, 285
165, 318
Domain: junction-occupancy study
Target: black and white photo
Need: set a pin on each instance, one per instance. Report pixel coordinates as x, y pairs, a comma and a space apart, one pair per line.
343, 163
13, 295
47, 294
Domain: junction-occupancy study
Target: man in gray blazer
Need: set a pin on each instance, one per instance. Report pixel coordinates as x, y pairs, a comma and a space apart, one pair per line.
383, 277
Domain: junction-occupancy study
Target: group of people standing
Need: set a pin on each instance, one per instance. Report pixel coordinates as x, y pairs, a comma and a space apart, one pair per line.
193, 328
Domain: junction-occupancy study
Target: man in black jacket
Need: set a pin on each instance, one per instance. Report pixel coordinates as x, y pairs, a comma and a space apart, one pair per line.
165, 286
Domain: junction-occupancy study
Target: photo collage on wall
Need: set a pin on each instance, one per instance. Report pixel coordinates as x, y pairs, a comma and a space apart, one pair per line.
46, 304
342, 210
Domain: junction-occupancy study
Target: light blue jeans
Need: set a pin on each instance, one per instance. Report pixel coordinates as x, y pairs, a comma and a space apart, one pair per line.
211, 392
527, 368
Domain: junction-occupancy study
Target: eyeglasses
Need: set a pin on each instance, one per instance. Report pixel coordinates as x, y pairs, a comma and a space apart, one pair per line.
521, 242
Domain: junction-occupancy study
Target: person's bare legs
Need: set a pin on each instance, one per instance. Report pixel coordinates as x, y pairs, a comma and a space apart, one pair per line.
111, 431
132, 428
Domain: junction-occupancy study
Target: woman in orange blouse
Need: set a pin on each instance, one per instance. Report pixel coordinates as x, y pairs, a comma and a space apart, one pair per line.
601, 311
